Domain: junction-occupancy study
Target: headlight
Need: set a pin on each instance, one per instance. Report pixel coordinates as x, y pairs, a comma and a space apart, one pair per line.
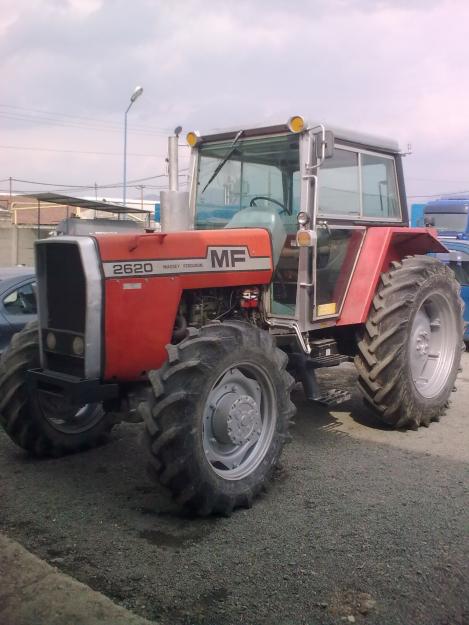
303, 219
78, 346
51, 341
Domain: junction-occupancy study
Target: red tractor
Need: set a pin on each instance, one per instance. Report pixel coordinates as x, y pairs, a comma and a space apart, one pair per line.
291, 252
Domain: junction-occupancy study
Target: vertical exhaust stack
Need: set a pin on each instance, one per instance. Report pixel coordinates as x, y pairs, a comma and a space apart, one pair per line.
174, 204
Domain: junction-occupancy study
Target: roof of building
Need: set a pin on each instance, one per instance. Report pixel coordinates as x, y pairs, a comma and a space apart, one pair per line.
68, 200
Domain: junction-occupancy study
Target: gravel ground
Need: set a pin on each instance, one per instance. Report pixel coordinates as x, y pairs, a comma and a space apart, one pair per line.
362, 524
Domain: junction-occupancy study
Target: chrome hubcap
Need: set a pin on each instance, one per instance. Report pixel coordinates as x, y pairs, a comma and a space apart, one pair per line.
239, 421
433, 344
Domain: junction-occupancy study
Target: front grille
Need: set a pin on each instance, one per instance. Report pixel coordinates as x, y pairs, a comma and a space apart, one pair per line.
62, 296
70, 297
62, 357
66, 287
65, 363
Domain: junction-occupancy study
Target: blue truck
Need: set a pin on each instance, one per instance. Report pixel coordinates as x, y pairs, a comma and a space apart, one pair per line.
458, 259
450, 216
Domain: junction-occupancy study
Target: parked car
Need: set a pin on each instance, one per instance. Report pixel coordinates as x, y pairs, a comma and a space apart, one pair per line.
17, 301
458, 259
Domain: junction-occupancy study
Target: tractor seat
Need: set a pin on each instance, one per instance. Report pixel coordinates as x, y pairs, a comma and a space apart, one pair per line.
262, 217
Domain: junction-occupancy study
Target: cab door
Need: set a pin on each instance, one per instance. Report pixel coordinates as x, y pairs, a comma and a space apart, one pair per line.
337, 250
354, 187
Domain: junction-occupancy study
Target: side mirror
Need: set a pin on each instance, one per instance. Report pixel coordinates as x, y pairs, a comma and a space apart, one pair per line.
429, 221
328, 143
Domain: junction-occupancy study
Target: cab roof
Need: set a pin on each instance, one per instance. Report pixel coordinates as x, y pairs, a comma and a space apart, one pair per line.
341, 135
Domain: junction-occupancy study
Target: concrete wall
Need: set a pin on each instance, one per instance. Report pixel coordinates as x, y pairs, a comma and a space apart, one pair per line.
17, 245
5, 246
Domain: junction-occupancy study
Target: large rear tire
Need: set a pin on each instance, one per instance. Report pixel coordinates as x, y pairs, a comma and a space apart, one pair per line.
42, 425
410, 351
218, 416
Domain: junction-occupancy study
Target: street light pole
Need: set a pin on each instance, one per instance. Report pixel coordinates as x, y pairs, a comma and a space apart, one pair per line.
136, 94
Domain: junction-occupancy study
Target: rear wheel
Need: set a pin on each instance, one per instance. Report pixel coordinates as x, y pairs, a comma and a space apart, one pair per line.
218, 416
42, 424
410, 351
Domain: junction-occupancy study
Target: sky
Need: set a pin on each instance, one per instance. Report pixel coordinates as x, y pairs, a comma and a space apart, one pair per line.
397, 68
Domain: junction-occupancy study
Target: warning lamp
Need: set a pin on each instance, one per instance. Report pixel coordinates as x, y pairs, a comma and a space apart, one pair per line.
296, 123
305, 238
193, 138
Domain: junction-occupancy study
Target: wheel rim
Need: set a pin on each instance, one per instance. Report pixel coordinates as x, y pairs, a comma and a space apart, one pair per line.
67, 418
239, 421
434, 340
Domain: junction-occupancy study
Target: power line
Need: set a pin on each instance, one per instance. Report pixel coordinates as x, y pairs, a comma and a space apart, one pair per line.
435, 180
114, 185
34, 149
440, 194
66, 124
100, 121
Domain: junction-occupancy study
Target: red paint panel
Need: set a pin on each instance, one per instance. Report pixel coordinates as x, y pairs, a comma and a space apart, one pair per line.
382, 245
140, 311
138, 324
190, 244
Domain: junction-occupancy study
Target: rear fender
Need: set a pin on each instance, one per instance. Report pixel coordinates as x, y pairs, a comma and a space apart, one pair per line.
382, 245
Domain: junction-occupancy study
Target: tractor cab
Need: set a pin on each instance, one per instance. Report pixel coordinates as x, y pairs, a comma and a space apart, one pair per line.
299, 177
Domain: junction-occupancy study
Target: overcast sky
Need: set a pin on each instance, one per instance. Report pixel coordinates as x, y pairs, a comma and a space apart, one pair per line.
393, 67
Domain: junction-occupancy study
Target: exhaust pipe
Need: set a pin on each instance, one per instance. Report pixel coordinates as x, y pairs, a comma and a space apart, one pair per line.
174, 204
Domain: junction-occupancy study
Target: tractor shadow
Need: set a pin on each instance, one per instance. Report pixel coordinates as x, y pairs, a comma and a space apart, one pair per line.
315, 416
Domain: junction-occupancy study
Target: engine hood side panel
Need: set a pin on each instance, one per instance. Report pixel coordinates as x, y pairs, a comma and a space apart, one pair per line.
145, 276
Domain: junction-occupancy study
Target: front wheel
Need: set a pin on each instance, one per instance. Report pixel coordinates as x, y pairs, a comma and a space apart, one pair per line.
410, 351
218, 416
42, 424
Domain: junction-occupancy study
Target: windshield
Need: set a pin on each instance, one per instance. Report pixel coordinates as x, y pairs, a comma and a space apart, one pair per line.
258, 172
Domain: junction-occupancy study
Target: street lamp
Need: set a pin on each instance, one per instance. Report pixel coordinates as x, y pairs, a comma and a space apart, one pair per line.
136, 94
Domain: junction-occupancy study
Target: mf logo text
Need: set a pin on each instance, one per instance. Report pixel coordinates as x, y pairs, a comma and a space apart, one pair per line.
227, 258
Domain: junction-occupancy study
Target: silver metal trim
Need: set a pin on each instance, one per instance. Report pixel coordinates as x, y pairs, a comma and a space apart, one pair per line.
94, 298
293, 325
42, 313
217, 259
193, 167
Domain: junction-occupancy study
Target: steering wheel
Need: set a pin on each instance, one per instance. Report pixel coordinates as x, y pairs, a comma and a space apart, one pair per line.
26, 304
269, 199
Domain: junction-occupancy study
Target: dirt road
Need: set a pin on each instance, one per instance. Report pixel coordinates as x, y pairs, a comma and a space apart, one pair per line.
362, 525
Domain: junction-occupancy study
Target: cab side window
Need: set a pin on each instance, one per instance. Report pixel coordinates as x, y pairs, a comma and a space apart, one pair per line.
339, 184
355, 184
21, 301
379, 189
